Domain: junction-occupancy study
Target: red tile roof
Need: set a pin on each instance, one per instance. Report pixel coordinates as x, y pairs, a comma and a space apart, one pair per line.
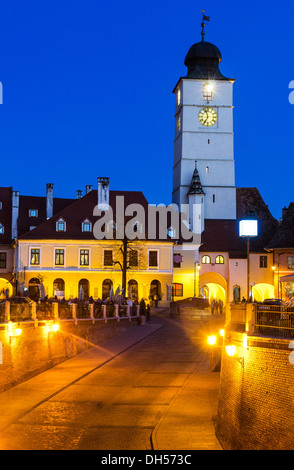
81, 209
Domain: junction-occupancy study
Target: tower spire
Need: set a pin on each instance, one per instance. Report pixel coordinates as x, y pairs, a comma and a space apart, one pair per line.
204, 18
196, 186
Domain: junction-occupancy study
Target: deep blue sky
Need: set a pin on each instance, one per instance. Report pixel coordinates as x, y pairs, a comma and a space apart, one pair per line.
87, 91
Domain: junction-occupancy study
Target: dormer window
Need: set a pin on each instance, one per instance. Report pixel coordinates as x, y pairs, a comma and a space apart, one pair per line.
171, 232
1, 229
60, 225
33, 212
86, 226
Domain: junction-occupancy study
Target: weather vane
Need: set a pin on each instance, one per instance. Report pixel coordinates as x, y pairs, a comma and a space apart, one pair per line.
204, 18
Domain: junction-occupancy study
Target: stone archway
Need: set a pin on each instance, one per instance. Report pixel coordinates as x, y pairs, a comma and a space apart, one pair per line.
213, 286
34, 288
262, 291
6, 289
84, 288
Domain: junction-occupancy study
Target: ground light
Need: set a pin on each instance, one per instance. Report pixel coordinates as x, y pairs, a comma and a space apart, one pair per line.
13, 330
231, 350
51, 327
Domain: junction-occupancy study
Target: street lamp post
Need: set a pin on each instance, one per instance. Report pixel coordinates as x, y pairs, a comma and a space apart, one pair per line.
248, 229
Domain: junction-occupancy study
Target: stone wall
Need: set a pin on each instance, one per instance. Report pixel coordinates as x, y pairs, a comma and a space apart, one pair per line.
37, 348
256, 396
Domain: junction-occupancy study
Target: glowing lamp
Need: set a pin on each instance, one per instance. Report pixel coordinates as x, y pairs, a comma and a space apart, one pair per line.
222, 332
248, 228
244, 340
17, 331
55, 327
231, 349
209, 88
211, 340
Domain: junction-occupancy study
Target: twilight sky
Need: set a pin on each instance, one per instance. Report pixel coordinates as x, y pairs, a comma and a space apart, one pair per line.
87, 92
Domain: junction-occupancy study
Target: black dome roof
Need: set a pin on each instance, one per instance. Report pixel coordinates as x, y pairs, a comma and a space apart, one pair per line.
203, 49
203, 60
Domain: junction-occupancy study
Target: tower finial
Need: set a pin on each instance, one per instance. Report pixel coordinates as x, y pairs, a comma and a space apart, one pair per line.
204, 18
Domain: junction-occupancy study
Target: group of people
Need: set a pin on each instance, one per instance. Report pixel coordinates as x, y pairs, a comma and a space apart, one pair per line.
217, 306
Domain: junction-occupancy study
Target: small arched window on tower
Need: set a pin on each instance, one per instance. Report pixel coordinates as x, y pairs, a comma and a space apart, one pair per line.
207, 92
179, 96
219, 259
179, 121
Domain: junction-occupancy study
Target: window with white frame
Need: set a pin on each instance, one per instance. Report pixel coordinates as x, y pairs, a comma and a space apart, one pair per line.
206, 259
35, 257
84, 257
59, 257
3, 260
108, 258
133, 258
153, 259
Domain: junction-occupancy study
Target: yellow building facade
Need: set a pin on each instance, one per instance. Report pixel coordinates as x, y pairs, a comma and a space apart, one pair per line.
65, 267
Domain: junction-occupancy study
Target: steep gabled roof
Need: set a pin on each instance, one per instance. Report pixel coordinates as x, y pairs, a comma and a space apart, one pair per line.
35, 202
81, 209
223, 235
284, 236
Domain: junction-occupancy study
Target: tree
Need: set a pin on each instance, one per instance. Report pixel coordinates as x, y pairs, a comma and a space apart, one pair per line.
127, 261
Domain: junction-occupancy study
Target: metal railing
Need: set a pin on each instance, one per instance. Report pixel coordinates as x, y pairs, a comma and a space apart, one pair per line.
238, 316
262, 319
274, 320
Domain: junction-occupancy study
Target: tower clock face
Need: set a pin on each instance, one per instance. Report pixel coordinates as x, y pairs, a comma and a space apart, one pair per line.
207, 116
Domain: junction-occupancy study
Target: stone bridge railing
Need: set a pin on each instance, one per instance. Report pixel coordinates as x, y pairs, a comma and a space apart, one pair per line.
33, 311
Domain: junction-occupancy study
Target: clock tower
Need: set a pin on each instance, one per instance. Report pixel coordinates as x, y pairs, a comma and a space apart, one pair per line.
204, 135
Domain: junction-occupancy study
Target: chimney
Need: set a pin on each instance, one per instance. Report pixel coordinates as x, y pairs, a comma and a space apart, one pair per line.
103, 191
284, 212
15, 211
49, 201
79, 194
89, 188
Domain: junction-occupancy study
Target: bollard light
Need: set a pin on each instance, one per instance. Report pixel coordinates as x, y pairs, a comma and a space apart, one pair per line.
231, 350
51, 327
13, 330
